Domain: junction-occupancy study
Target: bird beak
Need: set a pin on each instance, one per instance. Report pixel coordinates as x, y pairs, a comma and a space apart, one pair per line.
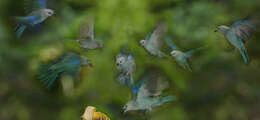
216, 30
90, 64
54, 14
124, 112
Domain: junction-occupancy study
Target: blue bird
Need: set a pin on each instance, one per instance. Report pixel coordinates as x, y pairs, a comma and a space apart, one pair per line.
239, 33
152, 43
68, 64
182, 58
147, 94
37, 15
126, 66
86, 36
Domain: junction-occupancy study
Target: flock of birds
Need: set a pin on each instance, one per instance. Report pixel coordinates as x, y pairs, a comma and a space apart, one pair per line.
147, 91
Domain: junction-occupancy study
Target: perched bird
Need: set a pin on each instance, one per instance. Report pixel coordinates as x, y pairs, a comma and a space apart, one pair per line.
86, 36
153, 42
68, 64
239, 33
182, 58
126, 66
37, 15
146, 94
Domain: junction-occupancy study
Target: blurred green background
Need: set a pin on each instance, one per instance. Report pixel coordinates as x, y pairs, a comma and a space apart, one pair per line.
220, 87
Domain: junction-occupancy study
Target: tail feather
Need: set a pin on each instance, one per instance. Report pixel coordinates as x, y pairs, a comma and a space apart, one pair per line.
47, 77
19, 30
187, 67
168, 99
126, 79
245, 55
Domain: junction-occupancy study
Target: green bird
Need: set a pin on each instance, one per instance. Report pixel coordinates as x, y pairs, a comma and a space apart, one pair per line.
239, 33
182, 58
68, 64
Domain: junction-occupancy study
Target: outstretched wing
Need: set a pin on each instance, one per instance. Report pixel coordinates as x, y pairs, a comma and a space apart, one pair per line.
245, 28
87, 29
170, 43
190, 52
157, 35
32, 5
151, 85
132, 63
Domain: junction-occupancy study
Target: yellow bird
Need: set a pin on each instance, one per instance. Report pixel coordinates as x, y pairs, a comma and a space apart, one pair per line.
91, 114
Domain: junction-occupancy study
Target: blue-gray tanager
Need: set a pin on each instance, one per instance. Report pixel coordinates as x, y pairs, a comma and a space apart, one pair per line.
126, 66
68, 64
37, 15
182, 58
239, 33
86, 37
153, 42
146, 94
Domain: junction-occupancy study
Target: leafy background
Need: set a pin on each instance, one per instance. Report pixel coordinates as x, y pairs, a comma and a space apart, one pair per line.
220, 87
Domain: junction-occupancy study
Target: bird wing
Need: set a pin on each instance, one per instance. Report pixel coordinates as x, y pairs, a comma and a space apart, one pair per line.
32, 5
170, 43
86, 30
190, 52
157, 35
245, 28
28, 20
148, 36
151, 86
132, 63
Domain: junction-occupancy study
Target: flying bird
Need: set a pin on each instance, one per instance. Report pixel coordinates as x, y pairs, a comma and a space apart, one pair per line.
68, 64
152, 43
126, 66
86, 36
182, 58
38, 13
146, 94
239, 33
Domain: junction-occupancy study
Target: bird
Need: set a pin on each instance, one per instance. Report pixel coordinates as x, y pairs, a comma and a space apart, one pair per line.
126, 66
68, 64
182, 58
239, 33
153, 41
39, 13
86, 36
146, 94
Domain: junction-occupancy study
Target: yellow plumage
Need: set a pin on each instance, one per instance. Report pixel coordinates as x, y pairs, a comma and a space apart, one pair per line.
91, 114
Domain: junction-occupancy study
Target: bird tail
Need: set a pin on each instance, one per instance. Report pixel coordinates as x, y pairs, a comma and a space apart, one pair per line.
19, 30
168, 99
187, 67
245, 55
47, 76
126, 79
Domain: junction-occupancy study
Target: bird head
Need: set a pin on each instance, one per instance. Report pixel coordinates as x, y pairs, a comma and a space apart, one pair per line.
48, 12
120, 60
222, 29
143, 42
174, 53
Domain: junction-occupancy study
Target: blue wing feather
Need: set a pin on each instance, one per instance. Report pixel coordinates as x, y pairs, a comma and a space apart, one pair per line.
170, 43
